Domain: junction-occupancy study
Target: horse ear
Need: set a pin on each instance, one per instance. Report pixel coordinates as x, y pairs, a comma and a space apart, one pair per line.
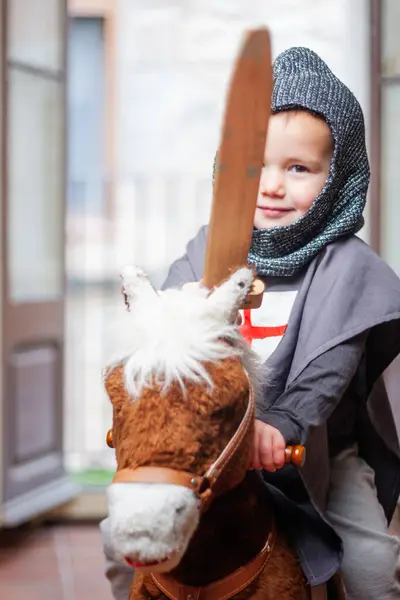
135, 285
230, 295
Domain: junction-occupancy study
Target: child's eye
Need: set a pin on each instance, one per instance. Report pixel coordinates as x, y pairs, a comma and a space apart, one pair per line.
298, 169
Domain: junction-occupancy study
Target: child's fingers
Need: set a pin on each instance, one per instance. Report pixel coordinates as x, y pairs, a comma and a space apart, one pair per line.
278, 449
265, 451
268, 448
255, 461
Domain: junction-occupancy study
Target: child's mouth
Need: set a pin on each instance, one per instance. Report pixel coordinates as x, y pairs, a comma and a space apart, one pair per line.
274, 213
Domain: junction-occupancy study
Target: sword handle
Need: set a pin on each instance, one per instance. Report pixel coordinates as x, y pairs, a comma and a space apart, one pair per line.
255, 296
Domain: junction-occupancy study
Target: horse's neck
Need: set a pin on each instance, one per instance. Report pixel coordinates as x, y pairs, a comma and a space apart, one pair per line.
230, 534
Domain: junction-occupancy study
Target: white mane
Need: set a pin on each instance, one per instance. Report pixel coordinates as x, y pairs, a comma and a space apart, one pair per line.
168, 336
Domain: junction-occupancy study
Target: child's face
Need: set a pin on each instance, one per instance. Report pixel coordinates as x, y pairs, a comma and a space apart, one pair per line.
296, 165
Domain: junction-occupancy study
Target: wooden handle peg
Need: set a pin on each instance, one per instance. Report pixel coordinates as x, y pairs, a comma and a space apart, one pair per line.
109, 439
295, 455
255, 296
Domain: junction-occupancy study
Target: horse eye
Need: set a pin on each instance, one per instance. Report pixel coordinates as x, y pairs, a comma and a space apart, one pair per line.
222, 413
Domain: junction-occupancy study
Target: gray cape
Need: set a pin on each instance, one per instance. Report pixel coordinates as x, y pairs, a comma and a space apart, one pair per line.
347, 289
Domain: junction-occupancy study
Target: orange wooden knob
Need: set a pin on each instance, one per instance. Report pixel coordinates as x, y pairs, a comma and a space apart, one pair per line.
295, 455
109, 439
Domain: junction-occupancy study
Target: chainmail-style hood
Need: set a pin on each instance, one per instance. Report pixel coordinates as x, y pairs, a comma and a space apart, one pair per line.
303, 80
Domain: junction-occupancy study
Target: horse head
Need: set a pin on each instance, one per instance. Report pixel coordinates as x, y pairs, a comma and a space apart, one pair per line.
183, 411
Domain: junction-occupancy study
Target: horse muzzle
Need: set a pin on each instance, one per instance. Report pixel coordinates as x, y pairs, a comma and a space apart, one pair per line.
152, 523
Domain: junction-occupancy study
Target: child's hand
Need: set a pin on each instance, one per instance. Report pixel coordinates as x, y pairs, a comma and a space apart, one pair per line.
269, 447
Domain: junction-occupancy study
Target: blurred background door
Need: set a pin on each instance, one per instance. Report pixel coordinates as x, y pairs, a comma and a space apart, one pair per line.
33, 208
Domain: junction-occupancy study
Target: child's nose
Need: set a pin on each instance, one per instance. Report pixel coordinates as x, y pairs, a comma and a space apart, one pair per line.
271, 183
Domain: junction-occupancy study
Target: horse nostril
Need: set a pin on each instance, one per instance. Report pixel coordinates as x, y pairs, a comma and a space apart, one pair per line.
179, 509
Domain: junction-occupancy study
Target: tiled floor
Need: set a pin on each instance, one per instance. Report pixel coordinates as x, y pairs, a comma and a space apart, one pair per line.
58, 562
52, 562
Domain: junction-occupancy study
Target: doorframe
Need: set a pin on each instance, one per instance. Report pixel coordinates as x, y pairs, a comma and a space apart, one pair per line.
12, 510
377, 81
375, 8
3, 49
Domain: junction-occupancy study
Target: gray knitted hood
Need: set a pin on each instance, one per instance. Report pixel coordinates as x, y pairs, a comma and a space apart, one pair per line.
303, 80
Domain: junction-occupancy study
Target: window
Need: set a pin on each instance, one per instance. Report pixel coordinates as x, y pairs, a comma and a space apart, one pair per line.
34, 150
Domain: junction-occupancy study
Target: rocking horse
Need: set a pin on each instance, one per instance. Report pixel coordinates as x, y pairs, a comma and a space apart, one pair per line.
185, 510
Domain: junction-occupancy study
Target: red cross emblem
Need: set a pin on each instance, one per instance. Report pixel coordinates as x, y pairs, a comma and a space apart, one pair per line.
253, 332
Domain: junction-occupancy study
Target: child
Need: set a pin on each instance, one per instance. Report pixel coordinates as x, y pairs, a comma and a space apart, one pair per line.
333, 308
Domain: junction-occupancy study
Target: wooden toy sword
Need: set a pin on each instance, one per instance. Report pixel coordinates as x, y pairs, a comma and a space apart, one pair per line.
239, 164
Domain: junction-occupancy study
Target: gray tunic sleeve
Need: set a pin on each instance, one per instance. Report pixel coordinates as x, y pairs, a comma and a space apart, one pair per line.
188, 267
311, 398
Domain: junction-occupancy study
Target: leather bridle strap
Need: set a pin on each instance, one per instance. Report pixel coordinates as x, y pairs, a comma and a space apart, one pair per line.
222, 589
204, 486
214, 472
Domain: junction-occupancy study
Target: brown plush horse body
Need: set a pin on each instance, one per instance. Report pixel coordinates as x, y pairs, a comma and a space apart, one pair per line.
184, 509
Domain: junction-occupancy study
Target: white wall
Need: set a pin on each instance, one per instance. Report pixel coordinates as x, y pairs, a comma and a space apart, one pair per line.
174, 62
